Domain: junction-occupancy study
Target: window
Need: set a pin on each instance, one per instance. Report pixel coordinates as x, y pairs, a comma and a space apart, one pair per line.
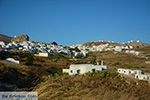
129, 71
78, 71
104, 69
71, 71
93, 70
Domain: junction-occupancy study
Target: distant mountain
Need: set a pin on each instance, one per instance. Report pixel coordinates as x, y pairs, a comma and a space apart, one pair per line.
5, 38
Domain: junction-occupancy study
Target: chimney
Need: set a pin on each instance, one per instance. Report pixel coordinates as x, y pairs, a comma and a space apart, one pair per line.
97, 63
102, 63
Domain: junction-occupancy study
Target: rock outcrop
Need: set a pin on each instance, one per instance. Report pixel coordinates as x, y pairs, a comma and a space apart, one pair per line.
20, 38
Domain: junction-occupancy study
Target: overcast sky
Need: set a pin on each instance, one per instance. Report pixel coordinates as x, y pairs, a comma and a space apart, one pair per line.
71, 22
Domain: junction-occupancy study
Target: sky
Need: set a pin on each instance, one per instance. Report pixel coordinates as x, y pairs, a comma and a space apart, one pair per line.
70, 22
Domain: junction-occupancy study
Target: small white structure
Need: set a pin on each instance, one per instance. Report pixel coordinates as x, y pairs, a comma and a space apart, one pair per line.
112, 41
138, 41
147, 62
129, 71
118, 49
12, 60
83, 68
137, 53
142, 76
43, 54
2, 43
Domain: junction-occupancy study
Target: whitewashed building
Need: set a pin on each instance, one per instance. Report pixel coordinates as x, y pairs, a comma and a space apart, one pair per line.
142, 76
42, 54
83, 68
12, 60
118, 49
3, 44
129, 71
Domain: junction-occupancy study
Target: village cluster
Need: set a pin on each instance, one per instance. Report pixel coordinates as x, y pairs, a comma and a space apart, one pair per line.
105, 47
43, 50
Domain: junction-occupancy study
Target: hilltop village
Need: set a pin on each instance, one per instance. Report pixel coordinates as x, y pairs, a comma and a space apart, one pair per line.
92, 66
22, 43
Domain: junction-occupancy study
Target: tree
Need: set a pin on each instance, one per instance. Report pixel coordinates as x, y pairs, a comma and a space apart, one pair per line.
29, 60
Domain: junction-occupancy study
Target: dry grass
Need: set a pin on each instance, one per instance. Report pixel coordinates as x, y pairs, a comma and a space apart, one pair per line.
78, 87
91, 87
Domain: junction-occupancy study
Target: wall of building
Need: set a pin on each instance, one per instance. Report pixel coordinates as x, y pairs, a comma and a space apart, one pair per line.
83, 68
11, 60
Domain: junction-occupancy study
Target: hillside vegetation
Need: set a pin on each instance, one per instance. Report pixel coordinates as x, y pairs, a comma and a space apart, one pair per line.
45, 76
101, 85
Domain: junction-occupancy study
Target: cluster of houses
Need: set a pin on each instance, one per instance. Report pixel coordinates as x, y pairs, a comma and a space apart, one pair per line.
137, 73
104, 47
31, 46
84, 68
132, 52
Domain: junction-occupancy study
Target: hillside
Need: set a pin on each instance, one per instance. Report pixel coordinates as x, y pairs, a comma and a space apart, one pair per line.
5, 38
45, 76
101, 85
100, 43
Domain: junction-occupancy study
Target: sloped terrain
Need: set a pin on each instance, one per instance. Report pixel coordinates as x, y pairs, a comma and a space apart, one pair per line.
101, 85
5, 38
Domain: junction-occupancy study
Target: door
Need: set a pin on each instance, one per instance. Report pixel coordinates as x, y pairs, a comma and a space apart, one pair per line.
78, 71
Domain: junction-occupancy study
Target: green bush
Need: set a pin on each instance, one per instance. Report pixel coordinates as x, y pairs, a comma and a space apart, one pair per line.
117, 63
77, 84
53, 70
29, 60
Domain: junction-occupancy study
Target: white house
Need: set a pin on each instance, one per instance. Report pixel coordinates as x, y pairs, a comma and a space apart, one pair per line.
129, 71
2, 43
12, 60
43, 54
138, 41
142, 76
118, 49
137, 53
83, 68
